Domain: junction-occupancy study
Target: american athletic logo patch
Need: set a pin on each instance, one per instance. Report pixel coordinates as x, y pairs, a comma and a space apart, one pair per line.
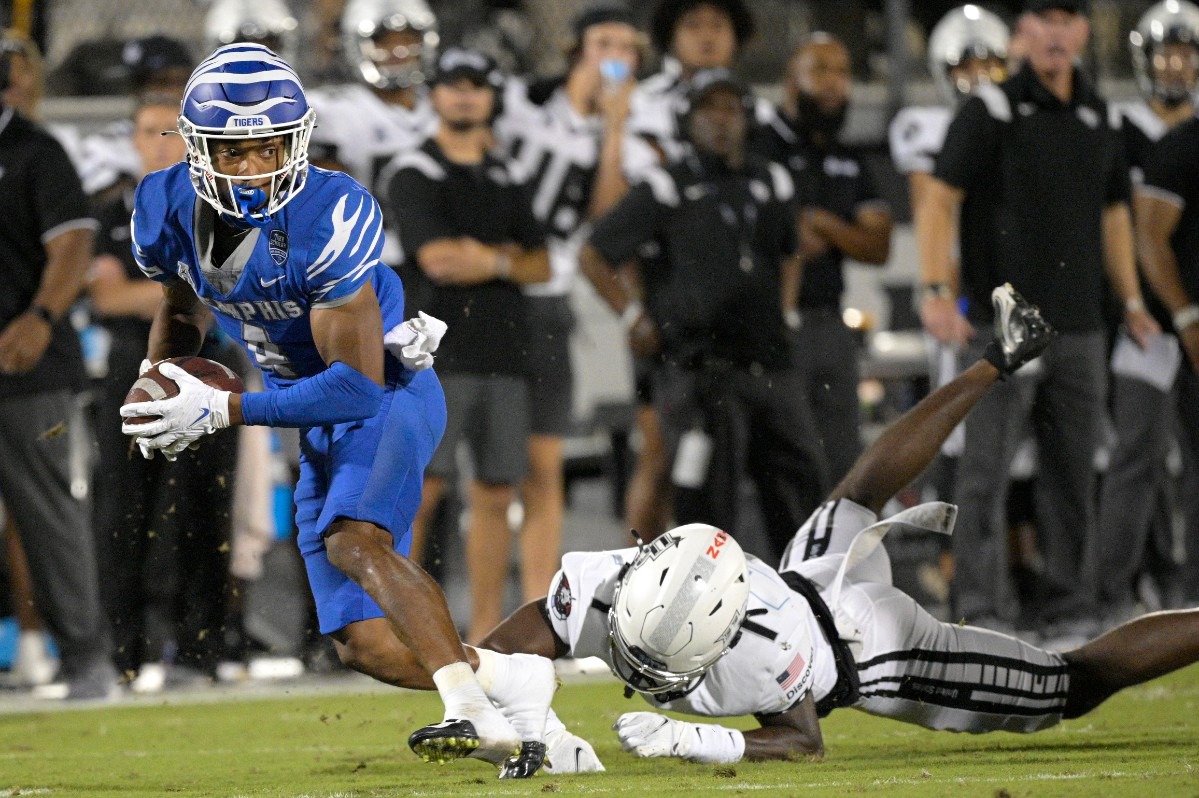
790, 676
562, 599
277, 246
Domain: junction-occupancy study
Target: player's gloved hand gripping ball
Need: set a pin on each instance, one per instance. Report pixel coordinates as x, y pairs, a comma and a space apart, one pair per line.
176, 402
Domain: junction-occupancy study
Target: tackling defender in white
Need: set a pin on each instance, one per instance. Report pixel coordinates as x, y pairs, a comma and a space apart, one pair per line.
695, 625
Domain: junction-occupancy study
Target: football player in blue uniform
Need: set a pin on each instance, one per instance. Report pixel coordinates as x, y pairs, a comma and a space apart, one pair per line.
286, 257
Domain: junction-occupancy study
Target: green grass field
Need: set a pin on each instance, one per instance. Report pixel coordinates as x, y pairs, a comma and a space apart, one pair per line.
1144, 742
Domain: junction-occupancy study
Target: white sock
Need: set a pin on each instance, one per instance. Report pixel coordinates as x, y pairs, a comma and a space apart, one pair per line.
460, 691
553, 723
493, 671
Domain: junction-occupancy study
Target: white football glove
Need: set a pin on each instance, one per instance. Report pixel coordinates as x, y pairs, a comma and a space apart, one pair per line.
196, 411
414, 342
648, 734
567, 753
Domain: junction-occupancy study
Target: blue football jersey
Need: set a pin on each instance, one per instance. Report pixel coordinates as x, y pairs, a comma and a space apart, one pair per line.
317, 251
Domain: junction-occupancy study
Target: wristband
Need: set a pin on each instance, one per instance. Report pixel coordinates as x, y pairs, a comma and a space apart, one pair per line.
631, 314
503, 265
937, 291
42, 313
1134, 304
792, 319
1186, 316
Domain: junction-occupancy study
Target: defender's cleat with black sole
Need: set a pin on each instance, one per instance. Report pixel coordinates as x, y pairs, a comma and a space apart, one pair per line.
1021, 334
526, 763
444, 742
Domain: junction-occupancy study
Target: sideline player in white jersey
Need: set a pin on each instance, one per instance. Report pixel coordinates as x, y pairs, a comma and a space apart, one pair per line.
287, 259
392, 46
696, 626
1136, 531
566, 139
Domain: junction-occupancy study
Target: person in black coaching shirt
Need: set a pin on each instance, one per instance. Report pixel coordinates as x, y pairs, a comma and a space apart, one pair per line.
725, 223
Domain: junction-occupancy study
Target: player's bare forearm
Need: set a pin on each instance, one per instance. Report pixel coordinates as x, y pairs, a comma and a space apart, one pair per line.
794, 734
1157, 220
866, 239
179, 324
67, 258
530, 266
1118, 253
935, 219
906, 447
605, 279
525, 631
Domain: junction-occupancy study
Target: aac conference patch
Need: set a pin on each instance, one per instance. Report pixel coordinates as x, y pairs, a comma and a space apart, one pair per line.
562, 599
277, 246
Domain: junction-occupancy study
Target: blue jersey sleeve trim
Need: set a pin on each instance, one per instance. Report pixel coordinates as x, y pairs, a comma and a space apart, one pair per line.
338, 394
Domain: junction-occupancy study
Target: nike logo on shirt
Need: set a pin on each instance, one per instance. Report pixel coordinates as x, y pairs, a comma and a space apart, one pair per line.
269, 283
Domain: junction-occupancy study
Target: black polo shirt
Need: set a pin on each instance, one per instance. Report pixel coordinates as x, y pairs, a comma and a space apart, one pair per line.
40, 198
714, 292
1171, 173
431, 197
1055, 167
832, 178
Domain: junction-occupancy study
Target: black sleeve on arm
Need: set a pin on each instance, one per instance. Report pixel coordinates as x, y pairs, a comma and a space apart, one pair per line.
633, 221
1119, 181
415, 204
971, 144
57, 193
1173, 164
526, 230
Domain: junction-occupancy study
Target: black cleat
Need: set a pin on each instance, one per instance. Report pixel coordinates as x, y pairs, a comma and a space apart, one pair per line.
1020, 332
445, 741
526, 763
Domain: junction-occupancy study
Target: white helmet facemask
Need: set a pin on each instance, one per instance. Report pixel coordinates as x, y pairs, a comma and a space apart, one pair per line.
245, 91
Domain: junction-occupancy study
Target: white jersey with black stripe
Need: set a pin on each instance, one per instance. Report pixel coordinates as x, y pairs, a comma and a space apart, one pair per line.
363, 133
555, 151
780, 657
916, 135
912, 667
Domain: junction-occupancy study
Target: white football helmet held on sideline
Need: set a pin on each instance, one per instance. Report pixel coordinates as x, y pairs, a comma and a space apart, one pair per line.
677, 609
1169, 22
265, 22
965, 33
365, 22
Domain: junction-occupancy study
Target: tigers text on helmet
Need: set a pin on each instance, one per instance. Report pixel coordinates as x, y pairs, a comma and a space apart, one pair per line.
1168, 22
365, 22
245, 91
965, 33
265, 22
677, 610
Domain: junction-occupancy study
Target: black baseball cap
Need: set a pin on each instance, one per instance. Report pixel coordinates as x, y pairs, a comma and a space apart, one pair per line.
705, 81
458, 62
1072, 6
155, 55
600, 15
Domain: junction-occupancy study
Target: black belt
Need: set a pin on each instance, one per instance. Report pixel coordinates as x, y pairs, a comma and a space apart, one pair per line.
845, 691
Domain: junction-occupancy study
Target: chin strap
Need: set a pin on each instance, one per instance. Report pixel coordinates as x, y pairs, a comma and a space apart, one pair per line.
251, 200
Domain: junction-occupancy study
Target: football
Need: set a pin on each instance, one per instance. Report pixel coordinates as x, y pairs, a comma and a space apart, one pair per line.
153, 385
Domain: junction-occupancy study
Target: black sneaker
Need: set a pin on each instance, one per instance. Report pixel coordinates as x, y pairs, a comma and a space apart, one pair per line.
1020, 332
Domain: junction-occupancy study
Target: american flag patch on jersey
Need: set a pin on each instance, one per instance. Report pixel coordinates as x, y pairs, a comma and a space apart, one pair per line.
789, 677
